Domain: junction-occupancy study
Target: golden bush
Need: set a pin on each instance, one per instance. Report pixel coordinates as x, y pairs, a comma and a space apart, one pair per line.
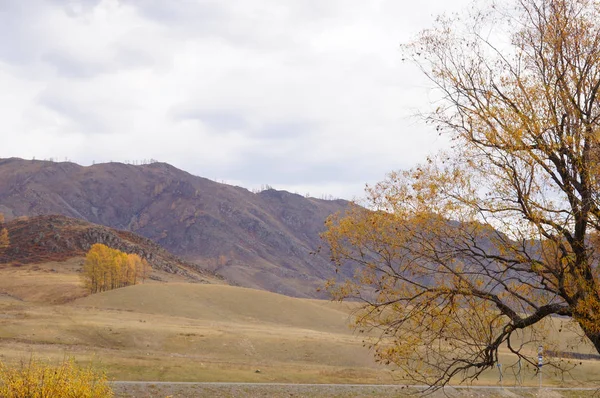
39, 379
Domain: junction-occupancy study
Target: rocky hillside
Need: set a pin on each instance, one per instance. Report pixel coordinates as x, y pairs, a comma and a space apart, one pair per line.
261, 240
57, 238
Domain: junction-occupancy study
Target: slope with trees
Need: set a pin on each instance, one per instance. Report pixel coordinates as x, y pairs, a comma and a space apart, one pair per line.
42, 239
476, 249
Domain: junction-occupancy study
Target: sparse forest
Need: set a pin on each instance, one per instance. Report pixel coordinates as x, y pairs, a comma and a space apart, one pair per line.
477, 249
106, 269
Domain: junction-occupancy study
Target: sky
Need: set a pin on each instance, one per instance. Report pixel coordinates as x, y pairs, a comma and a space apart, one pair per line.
310, 96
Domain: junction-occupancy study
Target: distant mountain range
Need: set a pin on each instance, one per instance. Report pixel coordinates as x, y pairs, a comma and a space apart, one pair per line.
261, 240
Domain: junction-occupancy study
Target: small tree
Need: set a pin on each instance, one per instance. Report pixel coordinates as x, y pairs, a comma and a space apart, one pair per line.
132, 269
477, 248
4, 240
95, 268
139, 268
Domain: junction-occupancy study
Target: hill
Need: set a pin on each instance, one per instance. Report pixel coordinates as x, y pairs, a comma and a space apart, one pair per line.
178, 331
221, 303
173, 331
262, 240
54, 238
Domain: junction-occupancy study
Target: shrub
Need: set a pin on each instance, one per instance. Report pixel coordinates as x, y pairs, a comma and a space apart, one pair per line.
37, 379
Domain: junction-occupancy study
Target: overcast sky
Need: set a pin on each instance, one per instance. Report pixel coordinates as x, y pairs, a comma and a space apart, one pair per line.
310, 96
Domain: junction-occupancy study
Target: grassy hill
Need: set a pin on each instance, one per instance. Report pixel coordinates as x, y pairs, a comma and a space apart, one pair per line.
223, 304
177, 331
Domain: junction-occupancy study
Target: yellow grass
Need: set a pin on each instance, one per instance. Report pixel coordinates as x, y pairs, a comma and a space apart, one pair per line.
48, 283
223, 304
192, 332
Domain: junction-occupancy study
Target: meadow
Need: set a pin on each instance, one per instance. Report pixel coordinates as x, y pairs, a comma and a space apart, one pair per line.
178, 331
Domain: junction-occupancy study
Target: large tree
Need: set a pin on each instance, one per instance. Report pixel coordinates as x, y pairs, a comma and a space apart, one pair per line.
479, 247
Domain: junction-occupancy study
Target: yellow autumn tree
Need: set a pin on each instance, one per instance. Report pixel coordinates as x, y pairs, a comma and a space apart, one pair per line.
478, 247
118, 269
139, 269
4, 240
106, 269
94, 268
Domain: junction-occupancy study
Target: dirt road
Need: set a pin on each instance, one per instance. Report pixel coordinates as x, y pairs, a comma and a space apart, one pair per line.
280, 390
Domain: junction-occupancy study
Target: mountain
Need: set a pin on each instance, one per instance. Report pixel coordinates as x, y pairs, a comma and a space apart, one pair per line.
58, 238
261, 240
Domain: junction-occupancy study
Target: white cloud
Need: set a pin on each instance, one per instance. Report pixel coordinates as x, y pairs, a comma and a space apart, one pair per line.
298, 94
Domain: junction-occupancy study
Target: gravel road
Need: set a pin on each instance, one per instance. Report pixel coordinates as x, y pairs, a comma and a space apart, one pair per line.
277, 390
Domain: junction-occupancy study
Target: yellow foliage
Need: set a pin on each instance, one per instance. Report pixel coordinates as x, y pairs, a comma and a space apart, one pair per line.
106, 269
458, 255
37, 379
4, 240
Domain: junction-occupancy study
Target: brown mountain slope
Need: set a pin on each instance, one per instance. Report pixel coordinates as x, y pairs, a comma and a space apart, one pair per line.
42, 239
259, 240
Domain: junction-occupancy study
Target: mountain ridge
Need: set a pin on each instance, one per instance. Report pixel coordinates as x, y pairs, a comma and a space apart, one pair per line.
260, 240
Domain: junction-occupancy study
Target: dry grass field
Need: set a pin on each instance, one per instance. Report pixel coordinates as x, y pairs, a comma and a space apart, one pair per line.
177, 331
